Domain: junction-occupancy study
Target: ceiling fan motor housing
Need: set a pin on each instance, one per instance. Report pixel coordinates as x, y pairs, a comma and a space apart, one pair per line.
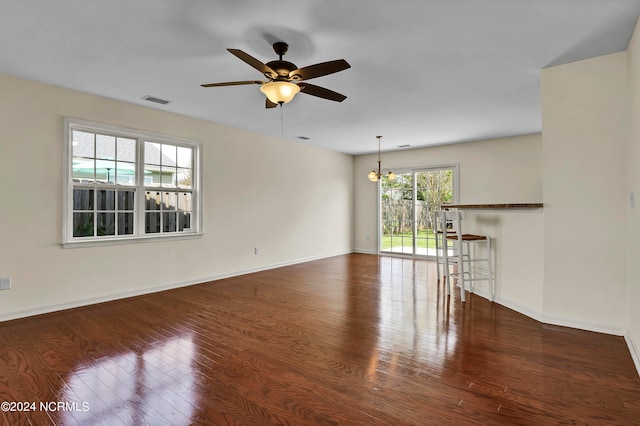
283, 68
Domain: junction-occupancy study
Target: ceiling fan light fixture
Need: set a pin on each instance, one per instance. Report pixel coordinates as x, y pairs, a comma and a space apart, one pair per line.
280, 92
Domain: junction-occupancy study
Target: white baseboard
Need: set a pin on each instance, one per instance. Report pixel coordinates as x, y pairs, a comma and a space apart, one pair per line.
155, 289
365, 251
633, 349
522, 309
615, 330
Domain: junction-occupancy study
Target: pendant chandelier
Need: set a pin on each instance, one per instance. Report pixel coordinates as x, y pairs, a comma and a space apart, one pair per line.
375, 175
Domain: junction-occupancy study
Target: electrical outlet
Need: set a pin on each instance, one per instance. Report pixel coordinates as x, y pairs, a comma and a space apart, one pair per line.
5, 283
256, 251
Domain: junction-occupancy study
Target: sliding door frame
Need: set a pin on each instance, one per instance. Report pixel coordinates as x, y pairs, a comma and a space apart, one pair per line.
454, 167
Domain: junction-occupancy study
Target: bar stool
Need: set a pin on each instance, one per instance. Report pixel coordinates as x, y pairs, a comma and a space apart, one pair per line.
462, 253
441, 230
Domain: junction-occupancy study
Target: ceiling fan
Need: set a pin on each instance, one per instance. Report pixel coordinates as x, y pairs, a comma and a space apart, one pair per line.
285, 79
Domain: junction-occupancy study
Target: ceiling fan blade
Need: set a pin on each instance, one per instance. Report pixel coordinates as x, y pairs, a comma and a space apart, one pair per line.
318, 70
232, 83
321, 92
270, 104
264, 69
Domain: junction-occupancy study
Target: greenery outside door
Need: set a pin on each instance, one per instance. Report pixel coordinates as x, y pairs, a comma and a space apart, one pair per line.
407, 209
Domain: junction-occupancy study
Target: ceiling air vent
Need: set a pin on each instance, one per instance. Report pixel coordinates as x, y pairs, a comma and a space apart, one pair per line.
156, 100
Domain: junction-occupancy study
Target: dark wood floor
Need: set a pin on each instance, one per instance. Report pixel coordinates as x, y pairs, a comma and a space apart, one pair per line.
355, 339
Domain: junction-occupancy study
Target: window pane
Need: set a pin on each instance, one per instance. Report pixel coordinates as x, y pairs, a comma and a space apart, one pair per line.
151, 153
184, 201
125, 223
105, 171
83, 199
105, 147
183, 178
82, 144
170, 201
126, 150
184, 157
168, 155
83, 224
126, 200
151, 175
152, 223
386, 193
83, 169
125, 173
168, 177
153, 200
184, 220
169, 222
106, 224
106, 200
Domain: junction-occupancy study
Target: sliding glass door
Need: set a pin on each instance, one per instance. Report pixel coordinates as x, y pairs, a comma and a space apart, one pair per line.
408, 205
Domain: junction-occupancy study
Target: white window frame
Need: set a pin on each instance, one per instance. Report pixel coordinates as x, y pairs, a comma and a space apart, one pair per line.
196, 230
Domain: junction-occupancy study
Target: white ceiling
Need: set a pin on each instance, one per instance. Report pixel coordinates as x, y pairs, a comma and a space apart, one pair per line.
423, 72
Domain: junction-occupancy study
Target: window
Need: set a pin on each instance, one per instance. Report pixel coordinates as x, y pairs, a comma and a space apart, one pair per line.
123, 184
168, 194
407, 208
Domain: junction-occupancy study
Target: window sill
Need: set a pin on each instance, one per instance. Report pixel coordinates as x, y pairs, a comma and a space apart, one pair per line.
131, 240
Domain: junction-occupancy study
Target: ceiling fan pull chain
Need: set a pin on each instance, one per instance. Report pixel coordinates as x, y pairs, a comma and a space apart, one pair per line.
281, 121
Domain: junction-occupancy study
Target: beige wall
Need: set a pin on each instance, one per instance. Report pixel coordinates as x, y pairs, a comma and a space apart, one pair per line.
258, 192
505, 170
633, 185
585, 131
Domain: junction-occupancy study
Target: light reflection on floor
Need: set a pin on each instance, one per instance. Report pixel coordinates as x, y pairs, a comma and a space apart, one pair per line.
154, 387
412, 323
